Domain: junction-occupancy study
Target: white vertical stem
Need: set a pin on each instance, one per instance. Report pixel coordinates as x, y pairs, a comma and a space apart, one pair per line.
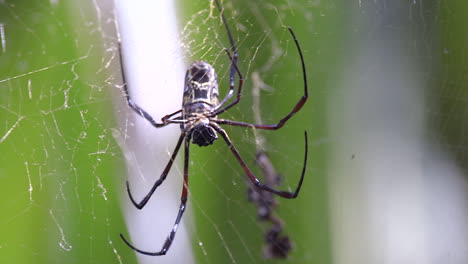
154, 72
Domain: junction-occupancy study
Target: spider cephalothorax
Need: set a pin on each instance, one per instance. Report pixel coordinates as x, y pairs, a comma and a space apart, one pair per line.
203, 134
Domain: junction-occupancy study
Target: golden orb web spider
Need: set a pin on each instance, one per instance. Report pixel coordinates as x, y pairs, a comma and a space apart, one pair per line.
199, 122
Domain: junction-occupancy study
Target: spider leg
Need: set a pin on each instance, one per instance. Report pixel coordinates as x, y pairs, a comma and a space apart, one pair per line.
234, 68
183, 202
231, 41
239, 90
163, 176
137, 109
255, 180
167, 118
298, 106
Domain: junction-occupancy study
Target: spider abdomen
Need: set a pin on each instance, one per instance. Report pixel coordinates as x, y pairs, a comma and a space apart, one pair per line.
201, 85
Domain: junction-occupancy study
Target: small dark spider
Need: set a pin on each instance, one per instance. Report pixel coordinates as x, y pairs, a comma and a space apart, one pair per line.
199, 122
276, 244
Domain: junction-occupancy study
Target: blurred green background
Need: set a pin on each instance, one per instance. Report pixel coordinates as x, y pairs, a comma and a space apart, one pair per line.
62, 172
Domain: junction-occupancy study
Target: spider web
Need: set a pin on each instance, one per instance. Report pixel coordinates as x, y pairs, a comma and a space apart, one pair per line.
386, 119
